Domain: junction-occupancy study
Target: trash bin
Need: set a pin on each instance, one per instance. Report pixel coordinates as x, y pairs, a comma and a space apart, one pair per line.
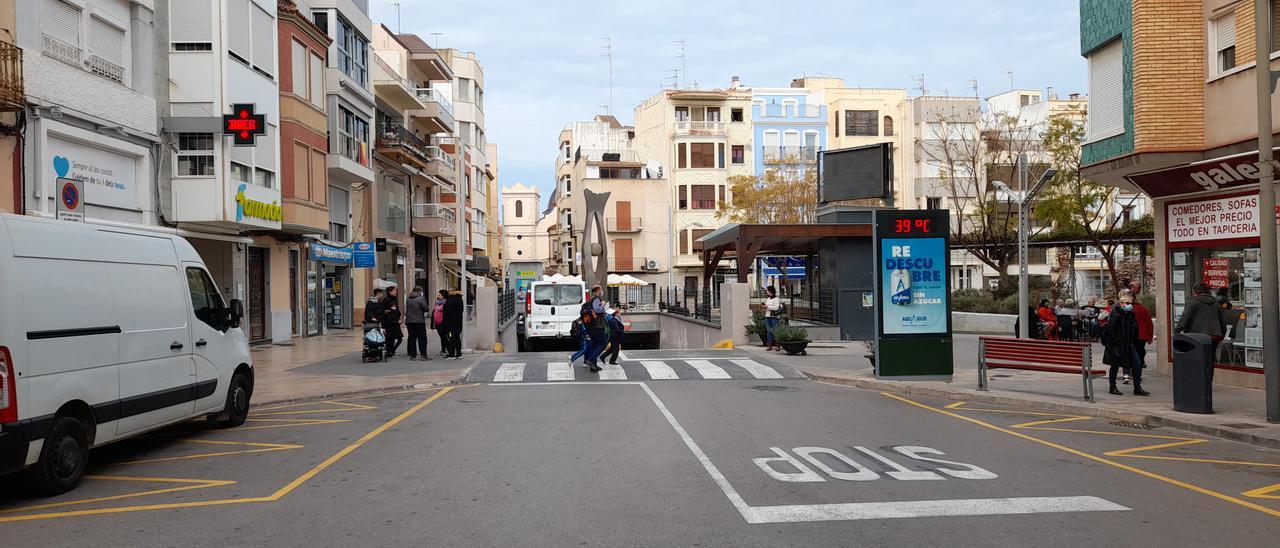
1192, 373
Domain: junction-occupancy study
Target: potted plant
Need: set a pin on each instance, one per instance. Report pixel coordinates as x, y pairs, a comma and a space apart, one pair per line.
756, 328
792, 339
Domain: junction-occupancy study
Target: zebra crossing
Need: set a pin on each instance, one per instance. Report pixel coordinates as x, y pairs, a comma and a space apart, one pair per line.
522, 368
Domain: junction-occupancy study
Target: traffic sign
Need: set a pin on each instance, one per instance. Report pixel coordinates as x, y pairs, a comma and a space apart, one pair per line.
70, 199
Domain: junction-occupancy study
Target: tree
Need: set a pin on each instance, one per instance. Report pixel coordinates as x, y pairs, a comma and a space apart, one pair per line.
969, 150
1078, 204
780, 196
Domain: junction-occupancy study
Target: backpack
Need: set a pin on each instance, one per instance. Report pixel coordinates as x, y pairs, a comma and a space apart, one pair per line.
588, 313
437, 315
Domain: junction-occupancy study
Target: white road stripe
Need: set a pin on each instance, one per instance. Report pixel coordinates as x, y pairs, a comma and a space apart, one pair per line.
761, 371
659, 370
559, 371
926, 508
612, 373
510, 372
707, 369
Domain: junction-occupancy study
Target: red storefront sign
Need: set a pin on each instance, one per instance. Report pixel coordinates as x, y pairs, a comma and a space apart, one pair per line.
1217, 273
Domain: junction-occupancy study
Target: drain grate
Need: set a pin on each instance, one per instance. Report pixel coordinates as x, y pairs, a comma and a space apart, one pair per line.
1133, 425
1242, 425
773, 388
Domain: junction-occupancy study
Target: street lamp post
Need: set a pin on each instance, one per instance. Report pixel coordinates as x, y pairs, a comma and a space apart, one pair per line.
1267, 223
1024, 236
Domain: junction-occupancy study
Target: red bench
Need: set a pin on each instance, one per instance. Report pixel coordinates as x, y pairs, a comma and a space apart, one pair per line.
1037, 355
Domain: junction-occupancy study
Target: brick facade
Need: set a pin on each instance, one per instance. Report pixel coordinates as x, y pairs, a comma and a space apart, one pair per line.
303, 125
1168, 75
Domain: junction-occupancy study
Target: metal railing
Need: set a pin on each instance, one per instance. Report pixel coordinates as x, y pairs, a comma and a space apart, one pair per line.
12, 94
816, 306
434, 211
603, 155
62, 51
777, 154
699, 304
624, 224
628, 264
506, 305
701, 128
392, 74
430, 95
789, 110
437, 154
399, 137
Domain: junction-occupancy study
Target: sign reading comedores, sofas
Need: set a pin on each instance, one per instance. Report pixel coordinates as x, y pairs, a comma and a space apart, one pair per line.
1213, 219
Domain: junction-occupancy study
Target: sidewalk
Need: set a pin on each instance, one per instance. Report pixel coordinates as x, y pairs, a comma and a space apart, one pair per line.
1240, 413
330, 364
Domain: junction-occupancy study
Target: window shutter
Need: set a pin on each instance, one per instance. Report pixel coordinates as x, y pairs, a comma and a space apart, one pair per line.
301, 174
298, 70
238, 24
684, 242
1106, 92
266, 149
317, 81
190, 21
320, 181
264, 40
1225, 32
61, 20
106, 41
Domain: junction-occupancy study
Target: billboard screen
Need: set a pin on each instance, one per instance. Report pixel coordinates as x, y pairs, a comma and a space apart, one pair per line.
857, 173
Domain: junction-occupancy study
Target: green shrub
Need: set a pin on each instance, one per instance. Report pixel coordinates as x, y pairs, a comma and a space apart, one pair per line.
756, 327
787, 333
983, 302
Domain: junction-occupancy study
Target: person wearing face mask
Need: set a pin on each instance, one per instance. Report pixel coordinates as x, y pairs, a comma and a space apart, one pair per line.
1120, 341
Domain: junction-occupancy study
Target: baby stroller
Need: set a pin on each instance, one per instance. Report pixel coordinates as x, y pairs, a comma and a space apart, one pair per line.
375, 343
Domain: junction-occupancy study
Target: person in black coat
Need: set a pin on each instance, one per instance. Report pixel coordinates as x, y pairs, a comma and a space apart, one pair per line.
1120, 345
391, 320
613, 320
453, 312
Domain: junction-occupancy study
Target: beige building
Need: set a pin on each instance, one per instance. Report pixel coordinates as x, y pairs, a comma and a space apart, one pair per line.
12, 101
520, 217
467, 97
702, 138
492, 226
600, 135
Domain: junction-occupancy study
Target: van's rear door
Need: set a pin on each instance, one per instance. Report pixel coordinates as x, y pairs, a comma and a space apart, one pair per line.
569, 299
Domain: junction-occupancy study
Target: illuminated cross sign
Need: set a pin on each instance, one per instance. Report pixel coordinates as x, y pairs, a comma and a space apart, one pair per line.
243, 125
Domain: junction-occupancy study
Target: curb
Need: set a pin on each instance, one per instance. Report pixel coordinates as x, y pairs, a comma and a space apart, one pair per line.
1066, 408
362, 392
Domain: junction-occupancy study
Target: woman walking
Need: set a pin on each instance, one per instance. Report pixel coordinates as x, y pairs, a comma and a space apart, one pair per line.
453, 313
1120, 342
772, 311
437, 321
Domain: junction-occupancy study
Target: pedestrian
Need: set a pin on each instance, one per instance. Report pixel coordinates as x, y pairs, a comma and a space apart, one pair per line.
584, 341
416, 309
1048, 321
1089, 319
373, 308
1146, 327
592, 315
1120, 343
613, 319
453, 313
437, 321
1203, 314
391, 320
772, 313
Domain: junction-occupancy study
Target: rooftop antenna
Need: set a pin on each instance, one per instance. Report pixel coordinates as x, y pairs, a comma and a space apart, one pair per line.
436, 35
608, 53
973, 85
674, 77
684, 61
1009, 73
396, 3
920, 84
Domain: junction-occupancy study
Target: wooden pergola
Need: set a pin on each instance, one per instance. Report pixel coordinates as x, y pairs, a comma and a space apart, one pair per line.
743, 242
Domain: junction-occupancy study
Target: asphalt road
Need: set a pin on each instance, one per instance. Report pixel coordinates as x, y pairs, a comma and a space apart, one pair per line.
741, 461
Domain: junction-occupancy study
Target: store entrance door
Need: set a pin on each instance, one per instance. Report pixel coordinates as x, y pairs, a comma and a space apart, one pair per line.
337, 297
257, 266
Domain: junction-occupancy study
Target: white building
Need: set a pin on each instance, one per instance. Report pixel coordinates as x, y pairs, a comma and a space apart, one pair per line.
520, 214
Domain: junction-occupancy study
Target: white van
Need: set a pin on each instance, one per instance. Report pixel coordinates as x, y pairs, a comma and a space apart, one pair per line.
551, 306
105, 334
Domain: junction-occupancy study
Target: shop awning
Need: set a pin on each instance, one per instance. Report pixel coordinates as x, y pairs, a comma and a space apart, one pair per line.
1220, 173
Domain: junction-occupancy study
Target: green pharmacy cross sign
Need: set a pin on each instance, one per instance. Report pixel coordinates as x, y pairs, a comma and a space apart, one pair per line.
913, 294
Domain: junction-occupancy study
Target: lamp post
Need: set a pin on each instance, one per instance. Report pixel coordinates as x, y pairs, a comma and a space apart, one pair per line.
1267, 224
1024, 229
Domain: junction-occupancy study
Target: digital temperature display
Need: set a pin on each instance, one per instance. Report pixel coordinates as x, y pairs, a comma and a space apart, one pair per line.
912, 226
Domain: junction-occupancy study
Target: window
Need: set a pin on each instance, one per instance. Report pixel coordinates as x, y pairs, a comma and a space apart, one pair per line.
264, 41
353, 52
837, 124
682, 114
888, 126
713, 114
317, 81
735, 115
61, 22
519, 208
1106, 92
739, 154
353, 136
704, 196
697, 234
861, 123
684, 241
206, 302
239, 25
263, 178
681, 158
619, 173
321, 19
684, 197
464, 90
933, 203
702, 155
195, 155
298, 70
1222, 31
720, 155
251, 35
106, 49
241, 173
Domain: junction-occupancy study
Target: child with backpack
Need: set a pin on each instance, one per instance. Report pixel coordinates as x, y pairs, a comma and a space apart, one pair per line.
580, 331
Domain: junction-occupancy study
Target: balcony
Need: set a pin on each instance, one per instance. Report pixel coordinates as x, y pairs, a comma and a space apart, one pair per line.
442, 166
436, 112
479, 238
701, 129
600, 155
403, 146
628, 264
391, 87
790, 155
624, 224
789, 111
478, 264
74, 56
12, 95
436, 220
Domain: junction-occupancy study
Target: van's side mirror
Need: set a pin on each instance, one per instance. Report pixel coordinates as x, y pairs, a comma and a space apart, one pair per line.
237, 312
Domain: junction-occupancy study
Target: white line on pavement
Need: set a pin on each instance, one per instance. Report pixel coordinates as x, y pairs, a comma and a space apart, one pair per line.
612, 373
707, 369
510, 372
927, 508
659, 370
761, 371
559, 371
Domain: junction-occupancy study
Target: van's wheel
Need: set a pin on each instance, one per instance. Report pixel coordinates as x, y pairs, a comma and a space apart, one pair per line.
237, 409
63, 459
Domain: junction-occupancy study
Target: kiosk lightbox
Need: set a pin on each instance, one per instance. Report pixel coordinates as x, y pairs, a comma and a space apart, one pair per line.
913, 289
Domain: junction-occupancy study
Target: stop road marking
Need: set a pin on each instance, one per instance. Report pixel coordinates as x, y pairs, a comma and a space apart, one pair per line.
859, 472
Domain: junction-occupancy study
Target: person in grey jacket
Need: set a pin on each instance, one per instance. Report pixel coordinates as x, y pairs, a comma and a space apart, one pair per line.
416, 310
1202, 314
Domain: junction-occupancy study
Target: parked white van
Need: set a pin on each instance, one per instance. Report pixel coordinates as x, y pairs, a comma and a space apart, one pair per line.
105, 334
551, 306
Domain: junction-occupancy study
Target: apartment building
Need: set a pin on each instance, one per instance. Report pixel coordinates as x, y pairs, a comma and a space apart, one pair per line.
13, 105
701, 137
602, 134
1171, 113
790, 128
469, 146
414, 173
492, 225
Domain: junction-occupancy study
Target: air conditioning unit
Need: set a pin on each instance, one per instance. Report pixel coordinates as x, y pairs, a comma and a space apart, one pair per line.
651, 265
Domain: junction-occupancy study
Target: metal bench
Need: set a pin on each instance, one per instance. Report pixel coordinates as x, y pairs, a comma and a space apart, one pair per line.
1037, 355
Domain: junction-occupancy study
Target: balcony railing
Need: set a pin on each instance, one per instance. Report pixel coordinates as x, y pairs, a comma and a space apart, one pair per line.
391, 136
601, 155
353, 149
105, 68
624, 224
437, 154
701, 128
628, 264
789, 111
434, 220
430, 211
62, 51
12, 94
478, 264
780, 154
429, 95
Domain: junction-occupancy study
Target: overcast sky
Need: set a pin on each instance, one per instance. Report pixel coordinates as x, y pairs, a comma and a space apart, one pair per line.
544, 63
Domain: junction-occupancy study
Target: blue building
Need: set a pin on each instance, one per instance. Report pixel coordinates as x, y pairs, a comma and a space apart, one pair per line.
790, 127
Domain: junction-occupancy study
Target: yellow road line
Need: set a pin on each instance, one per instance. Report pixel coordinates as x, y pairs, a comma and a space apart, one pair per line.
222, 502
1264, 492
288, 423
193, 484
1082, 454
264, 448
